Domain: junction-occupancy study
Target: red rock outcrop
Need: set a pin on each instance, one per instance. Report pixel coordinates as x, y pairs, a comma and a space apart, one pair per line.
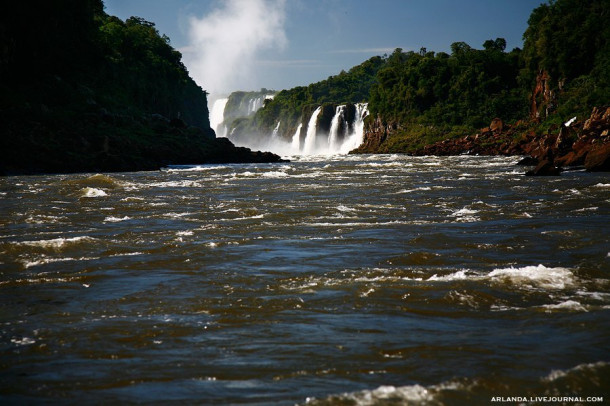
376, 134
580, 144
542, 97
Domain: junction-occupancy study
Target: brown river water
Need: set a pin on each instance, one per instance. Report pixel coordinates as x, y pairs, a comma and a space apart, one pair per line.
350, 280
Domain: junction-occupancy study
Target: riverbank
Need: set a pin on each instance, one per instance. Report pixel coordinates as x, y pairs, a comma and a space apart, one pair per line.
68, 141
584, 143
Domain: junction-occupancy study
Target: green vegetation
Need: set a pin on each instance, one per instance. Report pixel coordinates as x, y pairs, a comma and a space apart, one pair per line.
437, 96
570, 41
294, 105
238, 104
427, 96
84, 91
464, 88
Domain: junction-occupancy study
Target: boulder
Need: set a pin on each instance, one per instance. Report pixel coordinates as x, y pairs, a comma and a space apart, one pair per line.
572, 158
598, 159
496, 125
544, 168
528, 161
598, 116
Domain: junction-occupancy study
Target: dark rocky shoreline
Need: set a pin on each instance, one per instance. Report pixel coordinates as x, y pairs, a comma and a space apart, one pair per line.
571, 145
100, 141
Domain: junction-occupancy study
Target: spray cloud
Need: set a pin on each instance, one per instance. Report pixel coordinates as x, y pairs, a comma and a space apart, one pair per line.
224, 44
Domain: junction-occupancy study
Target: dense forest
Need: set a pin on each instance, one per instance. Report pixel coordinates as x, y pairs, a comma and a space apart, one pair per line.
562, 71
81, 90
291, 106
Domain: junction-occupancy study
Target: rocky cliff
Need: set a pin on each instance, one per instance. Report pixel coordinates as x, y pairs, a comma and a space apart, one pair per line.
86, 91
572, 144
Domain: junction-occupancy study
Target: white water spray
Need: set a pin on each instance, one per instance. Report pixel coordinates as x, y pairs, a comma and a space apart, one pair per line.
334, 143
312, 130
296, 138
275, 130
335, 124
343, 136
217, 117
353, 141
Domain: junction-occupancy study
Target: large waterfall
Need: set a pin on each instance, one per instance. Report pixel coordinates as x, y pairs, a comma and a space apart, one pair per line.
242, 105
340, 139
314, 135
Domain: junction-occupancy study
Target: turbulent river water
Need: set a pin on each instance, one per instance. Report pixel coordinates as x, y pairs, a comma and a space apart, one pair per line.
326, 280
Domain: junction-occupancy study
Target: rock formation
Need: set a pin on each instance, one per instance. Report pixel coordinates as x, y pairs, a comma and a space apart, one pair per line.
574, 145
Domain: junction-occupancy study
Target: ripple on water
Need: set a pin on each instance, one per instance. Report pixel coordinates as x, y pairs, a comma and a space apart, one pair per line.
349, 279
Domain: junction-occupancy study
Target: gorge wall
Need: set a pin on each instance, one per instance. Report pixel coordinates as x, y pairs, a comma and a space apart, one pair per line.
95, 93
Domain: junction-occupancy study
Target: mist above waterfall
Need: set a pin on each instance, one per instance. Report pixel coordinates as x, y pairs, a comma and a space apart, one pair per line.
225, 43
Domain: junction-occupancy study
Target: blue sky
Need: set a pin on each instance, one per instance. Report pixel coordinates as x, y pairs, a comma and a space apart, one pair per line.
278, 44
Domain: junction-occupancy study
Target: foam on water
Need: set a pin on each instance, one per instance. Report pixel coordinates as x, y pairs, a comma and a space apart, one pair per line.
457, 276
558, 374
388, 394
46, 260
535, 276
465, 215
113, 219
193, 168
21, 341
275, 174
176, 184
92, 192
57, 244
570, 305
315, 278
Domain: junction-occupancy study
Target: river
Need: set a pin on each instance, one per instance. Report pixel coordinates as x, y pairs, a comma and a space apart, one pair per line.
326, 280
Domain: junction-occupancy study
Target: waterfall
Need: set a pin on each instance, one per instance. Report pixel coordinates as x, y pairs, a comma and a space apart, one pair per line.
354, 140
275, 130
310, 138
254, 104
296, 139
217, 117
335, 124
344, 132
339, 141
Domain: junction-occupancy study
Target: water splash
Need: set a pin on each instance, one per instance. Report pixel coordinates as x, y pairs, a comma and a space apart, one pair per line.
335, 142
296, 138
275, 130
335, 126
312, 127
217, 117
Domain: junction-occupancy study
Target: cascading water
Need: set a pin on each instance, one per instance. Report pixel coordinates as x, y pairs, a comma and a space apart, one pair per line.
353, 141
296, 138
275, 130
335, 142
344, 134
335, 125
254, 104
312, 130
217, 117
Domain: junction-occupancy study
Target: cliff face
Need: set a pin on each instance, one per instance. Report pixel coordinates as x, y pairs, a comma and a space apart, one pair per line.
542, 100
375, 134
244, 104
573, 144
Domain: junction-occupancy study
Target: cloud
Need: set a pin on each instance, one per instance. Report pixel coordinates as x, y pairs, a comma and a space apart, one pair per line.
223, 45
